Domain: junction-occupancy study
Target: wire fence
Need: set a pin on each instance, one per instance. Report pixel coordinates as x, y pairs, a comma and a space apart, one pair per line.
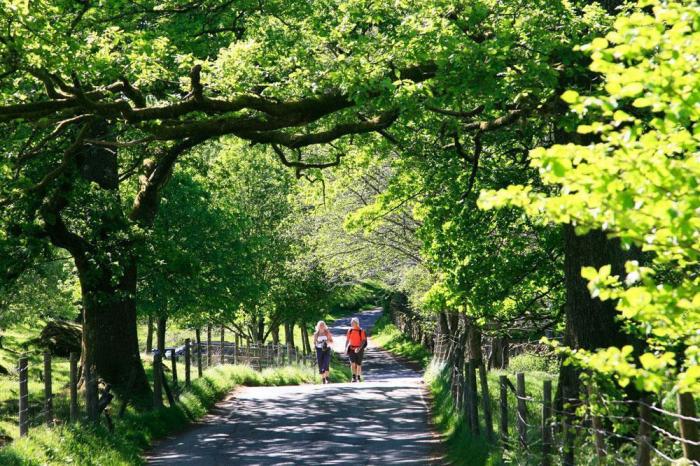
550, 428
41, 400
44, 400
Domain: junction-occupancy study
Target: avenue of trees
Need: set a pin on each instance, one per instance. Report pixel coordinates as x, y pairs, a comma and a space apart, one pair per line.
516, 168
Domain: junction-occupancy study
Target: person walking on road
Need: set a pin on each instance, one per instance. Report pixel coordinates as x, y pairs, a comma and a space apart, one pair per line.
356, 342
322, 341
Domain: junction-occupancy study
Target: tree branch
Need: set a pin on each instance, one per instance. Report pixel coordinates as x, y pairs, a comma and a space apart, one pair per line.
490, 125
475, 164
468, 114
156, 176
299, 165
302, 140
68, 155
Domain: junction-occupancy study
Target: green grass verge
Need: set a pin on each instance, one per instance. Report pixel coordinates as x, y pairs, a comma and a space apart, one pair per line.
464, 448
15, 343
461, 447
389, 337
340, 369
93, 445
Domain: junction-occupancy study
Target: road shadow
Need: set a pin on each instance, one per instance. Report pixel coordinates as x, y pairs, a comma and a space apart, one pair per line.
372, 423
382, 421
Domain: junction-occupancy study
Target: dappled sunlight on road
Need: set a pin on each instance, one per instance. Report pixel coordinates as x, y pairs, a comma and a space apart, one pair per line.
381, 421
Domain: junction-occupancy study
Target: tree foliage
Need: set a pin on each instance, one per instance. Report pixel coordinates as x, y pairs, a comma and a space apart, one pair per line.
637, 180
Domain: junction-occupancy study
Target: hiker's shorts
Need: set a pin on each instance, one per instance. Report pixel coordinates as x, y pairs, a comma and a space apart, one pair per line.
356, 357
324, 360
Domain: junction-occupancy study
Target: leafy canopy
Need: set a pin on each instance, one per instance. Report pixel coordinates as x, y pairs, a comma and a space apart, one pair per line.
638, 182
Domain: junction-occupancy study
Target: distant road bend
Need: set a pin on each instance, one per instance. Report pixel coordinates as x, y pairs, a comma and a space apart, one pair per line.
381, 421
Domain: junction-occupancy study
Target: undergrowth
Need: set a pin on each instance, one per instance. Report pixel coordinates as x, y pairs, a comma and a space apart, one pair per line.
389, 337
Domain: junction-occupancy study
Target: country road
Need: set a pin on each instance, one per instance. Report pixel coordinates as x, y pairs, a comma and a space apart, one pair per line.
381, 421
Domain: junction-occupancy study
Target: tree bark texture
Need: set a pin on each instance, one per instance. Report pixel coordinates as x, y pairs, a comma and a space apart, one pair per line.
149, 336
590, 322
110, 339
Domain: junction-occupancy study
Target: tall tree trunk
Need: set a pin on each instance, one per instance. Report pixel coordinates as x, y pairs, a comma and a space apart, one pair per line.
275, 332
462, 353
160, 340
110, 340
442, 326
261, 330
305, 338
452, 322
474, 341
149, 336
590, 322
289, 334
498, 359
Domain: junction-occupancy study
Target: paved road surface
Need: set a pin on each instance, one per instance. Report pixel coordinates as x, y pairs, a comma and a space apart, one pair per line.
381, 421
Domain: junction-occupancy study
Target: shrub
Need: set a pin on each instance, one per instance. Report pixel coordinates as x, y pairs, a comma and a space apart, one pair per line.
531, 362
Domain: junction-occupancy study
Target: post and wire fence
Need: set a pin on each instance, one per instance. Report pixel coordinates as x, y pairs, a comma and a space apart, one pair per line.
49, 406
537, 425
197, 356
85, 397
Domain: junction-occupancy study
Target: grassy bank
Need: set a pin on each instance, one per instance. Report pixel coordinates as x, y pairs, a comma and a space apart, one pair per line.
464, 448
388, 336
94, 445
16, 342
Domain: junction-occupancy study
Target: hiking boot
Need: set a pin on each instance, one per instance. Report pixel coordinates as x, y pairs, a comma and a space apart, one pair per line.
359, 378
354, 378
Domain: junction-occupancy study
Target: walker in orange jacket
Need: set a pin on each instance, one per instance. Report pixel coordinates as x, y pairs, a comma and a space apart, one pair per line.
356, 338
356, 342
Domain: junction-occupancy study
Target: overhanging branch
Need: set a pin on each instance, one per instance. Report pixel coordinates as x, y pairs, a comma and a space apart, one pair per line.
302, 140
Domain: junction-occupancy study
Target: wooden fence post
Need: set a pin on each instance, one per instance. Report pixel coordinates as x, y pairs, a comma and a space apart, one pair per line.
546, 422
74, 386
504, 409
235, 351
522, 409
473, 401
223, 339
199, 352
173, 365
597, 425
464, 388
567, 428
48, 389
643, 435
188, 362
209, 345
486, 403
91, 399
454, 385
689, 428
157, 381
23, 396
